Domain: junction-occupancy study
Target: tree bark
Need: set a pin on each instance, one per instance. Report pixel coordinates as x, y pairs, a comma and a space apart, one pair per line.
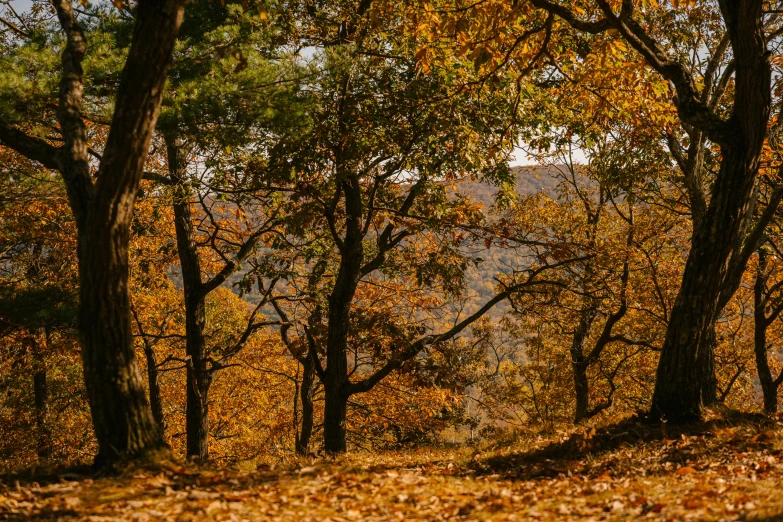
121, 415
683, 367
156, 402
769, 385
579, 364
691, 163
679, 385
335, 409
123, 421
709, 390
307, 394
335, 380
199, 376
336, 372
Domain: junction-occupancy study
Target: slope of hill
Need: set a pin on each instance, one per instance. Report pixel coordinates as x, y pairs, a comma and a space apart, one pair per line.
530, 180
726, 469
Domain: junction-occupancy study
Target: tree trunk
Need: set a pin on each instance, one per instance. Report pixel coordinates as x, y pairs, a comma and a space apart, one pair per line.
681, 374
156, 402
199, 376
340, 301
336, 372
41, 399
709, 391
581, 389
122, 418
336, 378
579, 364
335, 408
769, 387
684, 364
307, 393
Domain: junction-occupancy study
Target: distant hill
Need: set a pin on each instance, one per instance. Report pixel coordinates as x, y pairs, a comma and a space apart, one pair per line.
480, 280
481, 283
530, 180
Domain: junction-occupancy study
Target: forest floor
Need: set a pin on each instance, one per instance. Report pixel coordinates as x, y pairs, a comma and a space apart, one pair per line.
722, 469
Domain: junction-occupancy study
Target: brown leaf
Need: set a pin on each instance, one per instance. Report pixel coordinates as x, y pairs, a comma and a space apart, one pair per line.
686, 470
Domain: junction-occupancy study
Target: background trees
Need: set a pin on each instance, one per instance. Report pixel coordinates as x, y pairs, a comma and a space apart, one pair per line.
363, 202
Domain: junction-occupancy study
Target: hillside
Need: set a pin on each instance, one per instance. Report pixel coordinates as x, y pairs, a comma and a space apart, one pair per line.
725, 469
530, 180
481, 283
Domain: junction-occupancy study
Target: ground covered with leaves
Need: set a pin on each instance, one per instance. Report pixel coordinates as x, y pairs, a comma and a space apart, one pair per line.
724, 469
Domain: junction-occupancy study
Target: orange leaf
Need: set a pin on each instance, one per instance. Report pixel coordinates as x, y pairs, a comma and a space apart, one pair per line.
692, 503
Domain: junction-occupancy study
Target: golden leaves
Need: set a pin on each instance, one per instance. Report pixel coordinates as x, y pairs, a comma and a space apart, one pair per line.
677, 4
423, 59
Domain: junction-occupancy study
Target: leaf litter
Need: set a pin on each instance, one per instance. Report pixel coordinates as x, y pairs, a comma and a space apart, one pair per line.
711, 471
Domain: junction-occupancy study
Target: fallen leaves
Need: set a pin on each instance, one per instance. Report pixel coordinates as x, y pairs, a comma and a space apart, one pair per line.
686, 470
714, 480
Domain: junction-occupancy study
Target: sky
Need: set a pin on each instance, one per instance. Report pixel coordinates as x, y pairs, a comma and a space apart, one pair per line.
21, 5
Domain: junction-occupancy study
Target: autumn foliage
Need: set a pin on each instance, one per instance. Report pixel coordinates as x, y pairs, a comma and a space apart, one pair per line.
248, 234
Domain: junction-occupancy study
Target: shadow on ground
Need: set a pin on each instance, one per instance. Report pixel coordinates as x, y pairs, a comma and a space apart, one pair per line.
594, 452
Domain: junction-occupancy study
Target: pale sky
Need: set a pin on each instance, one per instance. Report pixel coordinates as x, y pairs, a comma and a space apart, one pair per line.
21, 5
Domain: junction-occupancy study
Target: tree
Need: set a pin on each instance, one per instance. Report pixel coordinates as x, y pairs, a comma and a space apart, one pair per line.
38, 292
735, 123
103, 210
766, 309
719, 239
220, 102
367, 201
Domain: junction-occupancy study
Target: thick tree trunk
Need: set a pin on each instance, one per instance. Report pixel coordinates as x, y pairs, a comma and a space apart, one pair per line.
684, 364
122, 418
156, 402
307, 394
709, 390
692, 166
123, 421
336, 372
199, 376
335, 409
681, 372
